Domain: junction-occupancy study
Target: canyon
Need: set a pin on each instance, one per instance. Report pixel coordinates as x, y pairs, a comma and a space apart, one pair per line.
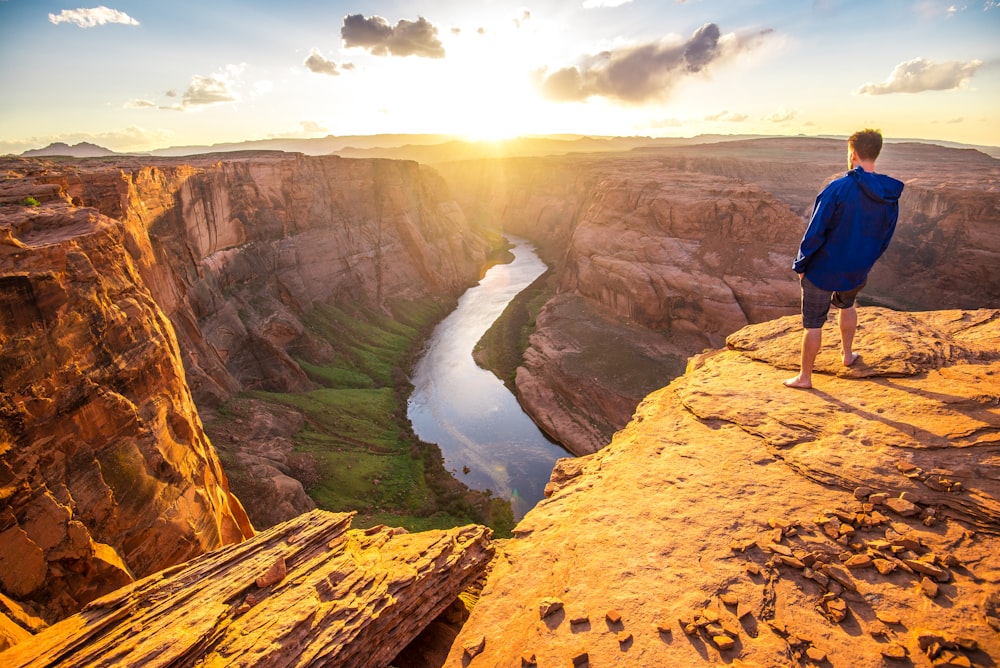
141, 293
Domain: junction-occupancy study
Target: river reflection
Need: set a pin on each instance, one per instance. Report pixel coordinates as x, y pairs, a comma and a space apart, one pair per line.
467, 411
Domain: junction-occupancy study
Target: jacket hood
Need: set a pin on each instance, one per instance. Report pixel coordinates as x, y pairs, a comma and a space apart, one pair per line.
879, 187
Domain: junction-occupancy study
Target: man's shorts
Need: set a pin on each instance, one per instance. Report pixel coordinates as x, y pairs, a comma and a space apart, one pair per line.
816, 303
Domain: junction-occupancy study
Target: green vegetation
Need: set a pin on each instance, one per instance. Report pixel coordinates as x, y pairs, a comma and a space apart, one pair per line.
29, 201
361, 451
502, 347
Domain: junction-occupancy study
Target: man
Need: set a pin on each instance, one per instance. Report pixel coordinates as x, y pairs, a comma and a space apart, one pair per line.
851, 226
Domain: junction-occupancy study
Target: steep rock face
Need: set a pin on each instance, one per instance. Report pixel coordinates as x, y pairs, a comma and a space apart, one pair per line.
237, 249
848, 525
244, 245
306, 592
105, 470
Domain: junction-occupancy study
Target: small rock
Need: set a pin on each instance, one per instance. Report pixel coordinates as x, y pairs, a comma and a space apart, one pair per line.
887, 617
752, 568
840, 574
949, 659
902, 507
926, 568
528, 660
894, 651
581, 658
862, 493
723, 642
276, 573
578, 621
816, 655
613, 617
663, 627
878, 498
957, 487
791, 561
624, 637
549, 606
836, 609
859, 561
929, 587
729, 599
884, 566
475, 646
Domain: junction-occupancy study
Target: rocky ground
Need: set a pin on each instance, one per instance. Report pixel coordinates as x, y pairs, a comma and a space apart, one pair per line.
738, 521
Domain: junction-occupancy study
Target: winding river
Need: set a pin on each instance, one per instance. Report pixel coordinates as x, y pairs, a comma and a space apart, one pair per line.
487, 441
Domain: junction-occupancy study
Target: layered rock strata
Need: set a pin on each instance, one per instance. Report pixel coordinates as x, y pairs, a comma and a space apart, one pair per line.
855, 524
105, 470
306, 592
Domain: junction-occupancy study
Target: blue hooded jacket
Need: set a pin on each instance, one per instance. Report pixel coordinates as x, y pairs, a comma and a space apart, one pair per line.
851, 226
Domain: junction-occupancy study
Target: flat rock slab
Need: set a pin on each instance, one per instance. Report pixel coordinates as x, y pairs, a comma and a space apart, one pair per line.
310, 591
737, 521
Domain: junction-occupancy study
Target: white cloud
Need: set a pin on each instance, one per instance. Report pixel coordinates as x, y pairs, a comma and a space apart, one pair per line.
140, 104
95, 16
919, 75
727, 117
205, 91
781, 116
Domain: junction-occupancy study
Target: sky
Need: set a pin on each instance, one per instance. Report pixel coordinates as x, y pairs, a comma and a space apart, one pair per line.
141, 75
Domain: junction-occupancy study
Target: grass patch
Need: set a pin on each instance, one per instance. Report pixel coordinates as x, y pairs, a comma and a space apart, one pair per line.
501, 348
365, 455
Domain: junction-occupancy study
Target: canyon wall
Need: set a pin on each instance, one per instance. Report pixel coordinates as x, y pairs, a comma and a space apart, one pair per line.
690, 243
106, 472
138, 287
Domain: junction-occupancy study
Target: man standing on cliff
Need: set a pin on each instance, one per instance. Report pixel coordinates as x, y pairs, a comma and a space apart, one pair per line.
851, 226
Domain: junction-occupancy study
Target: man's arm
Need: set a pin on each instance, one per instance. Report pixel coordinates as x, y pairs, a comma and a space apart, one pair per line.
815, 235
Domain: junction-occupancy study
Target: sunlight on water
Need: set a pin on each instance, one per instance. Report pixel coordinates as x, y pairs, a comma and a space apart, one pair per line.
467, 411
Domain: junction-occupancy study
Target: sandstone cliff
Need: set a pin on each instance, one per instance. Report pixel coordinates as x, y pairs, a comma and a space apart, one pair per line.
693, 242
736, 521
106, 472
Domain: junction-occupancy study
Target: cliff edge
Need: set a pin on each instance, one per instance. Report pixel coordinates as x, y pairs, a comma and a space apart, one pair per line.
738, 521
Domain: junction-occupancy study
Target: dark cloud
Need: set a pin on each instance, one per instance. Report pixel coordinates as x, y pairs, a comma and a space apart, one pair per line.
320, 65
641, 73
406, 38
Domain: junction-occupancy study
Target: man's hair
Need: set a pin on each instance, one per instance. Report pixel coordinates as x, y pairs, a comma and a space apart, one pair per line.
867, 143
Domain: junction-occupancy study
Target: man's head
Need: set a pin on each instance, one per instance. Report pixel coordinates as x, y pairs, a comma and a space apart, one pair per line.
866, 144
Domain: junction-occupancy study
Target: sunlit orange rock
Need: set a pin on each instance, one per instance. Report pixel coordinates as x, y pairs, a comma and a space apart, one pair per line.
711, 509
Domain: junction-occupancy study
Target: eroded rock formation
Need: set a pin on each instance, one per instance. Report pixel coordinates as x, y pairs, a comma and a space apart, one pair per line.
306, 592
736, 520
106, 472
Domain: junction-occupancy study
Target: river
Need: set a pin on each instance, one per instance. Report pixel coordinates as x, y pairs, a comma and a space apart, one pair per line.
487, 441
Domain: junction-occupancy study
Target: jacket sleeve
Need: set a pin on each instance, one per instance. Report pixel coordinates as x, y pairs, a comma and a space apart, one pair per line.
815, 235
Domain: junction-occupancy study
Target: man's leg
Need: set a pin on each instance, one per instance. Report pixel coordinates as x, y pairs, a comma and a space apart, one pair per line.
847, 318
812, 339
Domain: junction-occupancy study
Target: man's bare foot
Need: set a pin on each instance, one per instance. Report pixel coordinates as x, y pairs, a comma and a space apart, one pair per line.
848, 361
797, 383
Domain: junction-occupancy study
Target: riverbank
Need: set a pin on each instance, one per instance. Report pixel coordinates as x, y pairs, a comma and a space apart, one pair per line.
350, 443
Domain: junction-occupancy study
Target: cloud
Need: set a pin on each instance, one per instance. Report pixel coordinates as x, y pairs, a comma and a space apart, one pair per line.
919, 75
781, 116
591, 4
645, 72
727, 117
140, 104
206, 91
407, 38
96, 16
320, 65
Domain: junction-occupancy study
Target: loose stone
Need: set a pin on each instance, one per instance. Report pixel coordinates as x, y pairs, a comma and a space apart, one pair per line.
475, 647
723, 642
929, 587
549, 606
613, 617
